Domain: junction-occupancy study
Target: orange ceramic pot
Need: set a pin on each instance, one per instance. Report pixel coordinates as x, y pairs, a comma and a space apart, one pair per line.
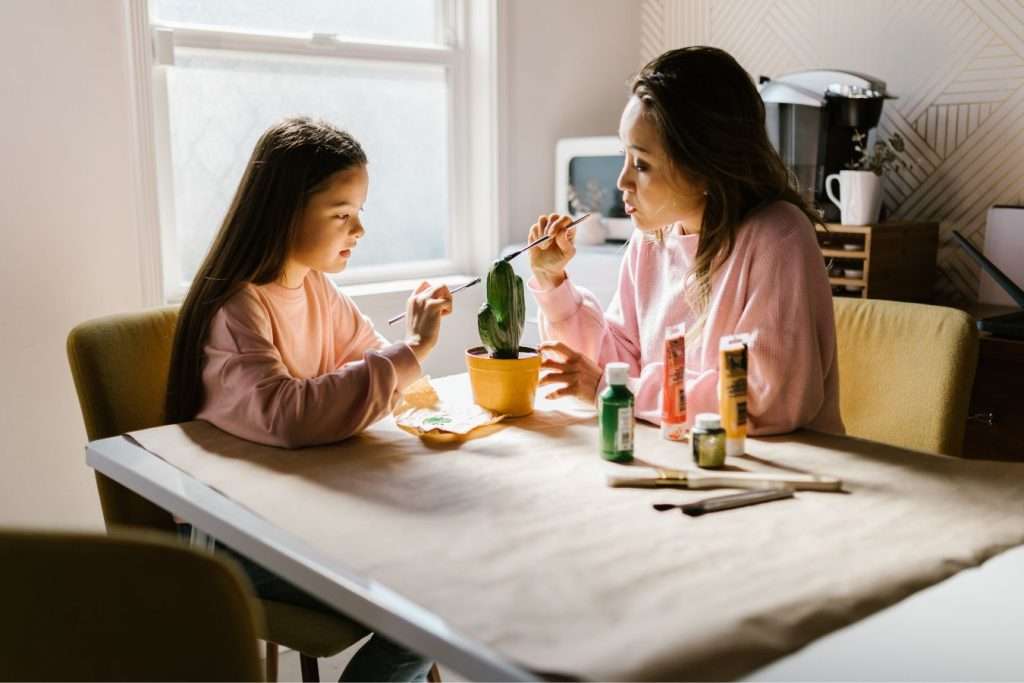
504, 385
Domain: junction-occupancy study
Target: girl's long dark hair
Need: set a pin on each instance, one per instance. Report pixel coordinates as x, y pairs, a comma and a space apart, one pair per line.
291, 161
712, 123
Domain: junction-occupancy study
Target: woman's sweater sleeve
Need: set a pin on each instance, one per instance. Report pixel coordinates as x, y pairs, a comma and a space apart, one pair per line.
786, 303
250, 392
573, 315
788, 309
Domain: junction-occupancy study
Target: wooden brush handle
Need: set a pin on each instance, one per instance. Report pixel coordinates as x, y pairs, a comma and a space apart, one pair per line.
757, 480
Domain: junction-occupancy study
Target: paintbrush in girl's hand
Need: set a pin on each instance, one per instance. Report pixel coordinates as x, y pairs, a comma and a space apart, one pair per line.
461, 287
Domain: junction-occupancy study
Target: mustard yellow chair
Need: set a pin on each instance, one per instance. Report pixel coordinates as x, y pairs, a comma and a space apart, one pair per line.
89, 607
119, 364
905, 372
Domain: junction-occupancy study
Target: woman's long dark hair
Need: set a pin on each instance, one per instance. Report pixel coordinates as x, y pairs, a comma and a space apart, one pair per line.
711, 121
291, 161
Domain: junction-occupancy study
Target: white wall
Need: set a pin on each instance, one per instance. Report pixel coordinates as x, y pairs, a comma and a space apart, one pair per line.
956, 67
568, 68
69, 243
458, 330
67, 223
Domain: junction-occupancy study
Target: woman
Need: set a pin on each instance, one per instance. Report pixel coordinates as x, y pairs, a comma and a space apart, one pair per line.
723, 243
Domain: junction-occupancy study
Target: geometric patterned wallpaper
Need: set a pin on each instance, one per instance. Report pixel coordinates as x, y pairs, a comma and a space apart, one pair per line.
956, 66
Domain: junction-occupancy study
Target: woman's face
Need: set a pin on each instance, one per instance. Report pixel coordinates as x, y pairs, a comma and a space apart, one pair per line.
654, 192
329, 226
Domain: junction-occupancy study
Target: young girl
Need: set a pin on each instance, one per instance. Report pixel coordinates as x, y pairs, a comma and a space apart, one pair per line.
267, 349
722, 243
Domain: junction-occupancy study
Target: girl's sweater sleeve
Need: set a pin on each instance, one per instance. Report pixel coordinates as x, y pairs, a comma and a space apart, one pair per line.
354, 333
250, 392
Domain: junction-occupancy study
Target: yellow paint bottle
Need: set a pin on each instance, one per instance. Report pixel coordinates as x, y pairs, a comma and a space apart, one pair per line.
732, 391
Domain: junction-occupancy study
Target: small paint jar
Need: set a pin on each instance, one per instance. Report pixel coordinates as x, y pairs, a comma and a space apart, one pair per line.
707, 441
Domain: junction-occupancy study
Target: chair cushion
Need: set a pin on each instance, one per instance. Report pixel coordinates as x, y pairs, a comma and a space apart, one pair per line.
131, 606
120, 365
308, 631
905, 372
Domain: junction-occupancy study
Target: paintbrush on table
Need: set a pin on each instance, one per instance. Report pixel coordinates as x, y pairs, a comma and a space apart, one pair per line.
656, 477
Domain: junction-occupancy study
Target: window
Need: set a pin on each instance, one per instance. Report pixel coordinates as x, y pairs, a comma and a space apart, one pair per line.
397, 74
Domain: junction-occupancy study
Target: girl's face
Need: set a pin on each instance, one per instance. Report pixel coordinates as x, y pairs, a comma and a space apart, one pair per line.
329, 225
654, 192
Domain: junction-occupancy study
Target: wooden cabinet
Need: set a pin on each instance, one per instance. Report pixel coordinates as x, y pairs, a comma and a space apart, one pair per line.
995, 422
882, 261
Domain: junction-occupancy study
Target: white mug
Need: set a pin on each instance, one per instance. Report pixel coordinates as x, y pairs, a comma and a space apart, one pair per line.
860, 196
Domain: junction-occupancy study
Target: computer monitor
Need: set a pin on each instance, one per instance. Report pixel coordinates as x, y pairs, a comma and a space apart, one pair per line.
586, 177
1010, 325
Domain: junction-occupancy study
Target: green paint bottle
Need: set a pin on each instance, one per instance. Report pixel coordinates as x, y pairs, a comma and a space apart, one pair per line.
616, 415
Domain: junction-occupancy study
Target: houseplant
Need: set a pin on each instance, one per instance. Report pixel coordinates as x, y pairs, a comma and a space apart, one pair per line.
860, 185
503, 374
886, 156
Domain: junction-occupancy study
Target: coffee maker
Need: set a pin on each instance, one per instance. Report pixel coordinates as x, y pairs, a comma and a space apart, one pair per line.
811, 117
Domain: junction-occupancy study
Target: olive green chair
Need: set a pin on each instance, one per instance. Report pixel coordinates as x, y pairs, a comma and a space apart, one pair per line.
123, 607
905, 372
120, 364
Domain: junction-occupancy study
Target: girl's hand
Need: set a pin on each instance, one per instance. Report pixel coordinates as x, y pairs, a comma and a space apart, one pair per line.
579, 374
549, 258
423, 312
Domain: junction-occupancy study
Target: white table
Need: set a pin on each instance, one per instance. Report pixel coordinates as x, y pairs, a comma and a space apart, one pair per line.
239, 528
968, 627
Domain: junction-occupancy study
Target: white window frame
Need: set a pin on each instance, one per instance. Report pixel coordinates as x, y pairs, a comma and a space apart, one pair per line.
468, 49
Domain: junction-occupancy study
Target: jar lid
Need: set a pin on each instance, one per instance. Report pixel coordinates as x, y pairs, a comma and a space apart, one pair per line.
616, 373
708, 421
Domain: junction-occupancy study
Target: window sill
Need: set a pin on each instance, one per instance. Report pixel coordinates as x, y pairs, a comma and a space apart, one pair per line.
403, 287
399, 286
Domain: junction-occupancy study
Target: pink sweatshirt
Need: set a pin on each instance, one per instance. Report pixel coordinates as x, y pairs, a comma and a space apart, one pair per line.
298, 367
773, 284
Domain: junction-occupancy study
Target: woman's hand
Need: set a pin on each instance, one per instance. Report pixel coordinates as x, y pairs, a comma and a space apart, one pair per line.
579, 375
549, 258
423, 312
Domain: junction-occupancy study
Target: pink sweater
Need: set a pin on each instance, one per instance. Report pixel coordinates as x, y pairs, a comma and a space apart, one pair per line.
298, 367
773, 284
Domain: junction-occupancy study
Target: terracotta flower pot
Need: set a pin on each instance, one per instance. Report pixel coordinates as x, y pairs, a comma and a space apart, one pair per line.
504, 385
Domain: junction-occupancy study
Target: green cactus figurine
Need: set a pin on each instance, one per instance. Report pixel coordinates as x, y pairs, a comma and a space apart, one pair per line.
501, 318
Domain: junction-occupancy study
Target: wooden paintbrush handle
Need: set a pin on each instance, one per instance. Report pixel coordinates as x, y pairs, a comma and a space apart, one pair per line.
752, 480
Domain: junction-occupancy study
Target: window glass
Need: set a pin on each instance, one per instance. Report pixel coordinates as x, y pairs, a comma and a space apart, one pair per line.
219, 105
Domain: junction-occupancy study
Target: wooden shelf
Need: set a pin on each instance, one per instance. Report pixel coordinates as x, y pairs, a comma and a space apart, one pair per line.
870, 229
898, 258
845, 229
